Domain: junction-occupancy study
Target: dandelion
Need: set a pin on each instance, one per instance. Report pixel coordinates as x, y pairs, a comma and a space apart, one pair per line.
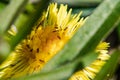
52, 32
89, 72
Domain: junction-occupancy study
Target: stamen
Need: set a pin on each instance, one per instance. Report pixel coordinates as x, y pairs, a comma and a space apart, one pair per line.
37, 50
59, 37
41, 60
66, 28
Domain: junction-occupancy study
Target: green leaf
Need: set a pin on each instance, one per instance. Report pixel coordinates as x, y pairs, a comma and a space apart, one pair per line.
2, 6
27, 24
86, 11
118, 30
65, 71
56, 74
110, 67
97, 27
9, 14
4, 49
79, 3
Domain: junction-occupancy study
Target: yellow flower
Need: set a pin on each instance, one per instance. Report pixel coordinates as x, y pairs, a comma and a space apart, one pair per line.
88, 73
54, 29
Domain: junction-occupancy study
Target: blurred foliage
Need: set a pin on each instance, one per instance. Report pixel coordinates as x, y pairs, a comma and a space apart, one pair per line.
103, 19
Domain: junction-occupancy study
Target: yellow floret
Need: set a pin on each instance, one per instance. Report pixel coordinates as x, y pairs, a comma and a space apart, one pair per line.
53, 30
89, 72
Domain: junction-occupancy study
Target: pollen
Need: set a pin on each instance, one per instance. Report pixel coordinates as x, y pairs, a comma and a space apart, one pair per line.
52, 31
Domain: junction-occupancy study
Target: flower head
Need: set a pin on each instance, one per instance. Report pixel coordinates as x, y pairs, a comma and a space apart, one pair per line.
53, 30
89, 72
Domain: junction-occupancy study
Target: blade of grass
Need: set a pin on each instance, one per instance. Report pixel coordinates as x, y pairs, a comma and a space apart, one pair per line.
97, 27
2, 6
5, 1
9, 11
28, 24
58, 74
4, 49
86, 11
9, 14
65, 71
22, 18
79, 3
118, 31
109, 68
